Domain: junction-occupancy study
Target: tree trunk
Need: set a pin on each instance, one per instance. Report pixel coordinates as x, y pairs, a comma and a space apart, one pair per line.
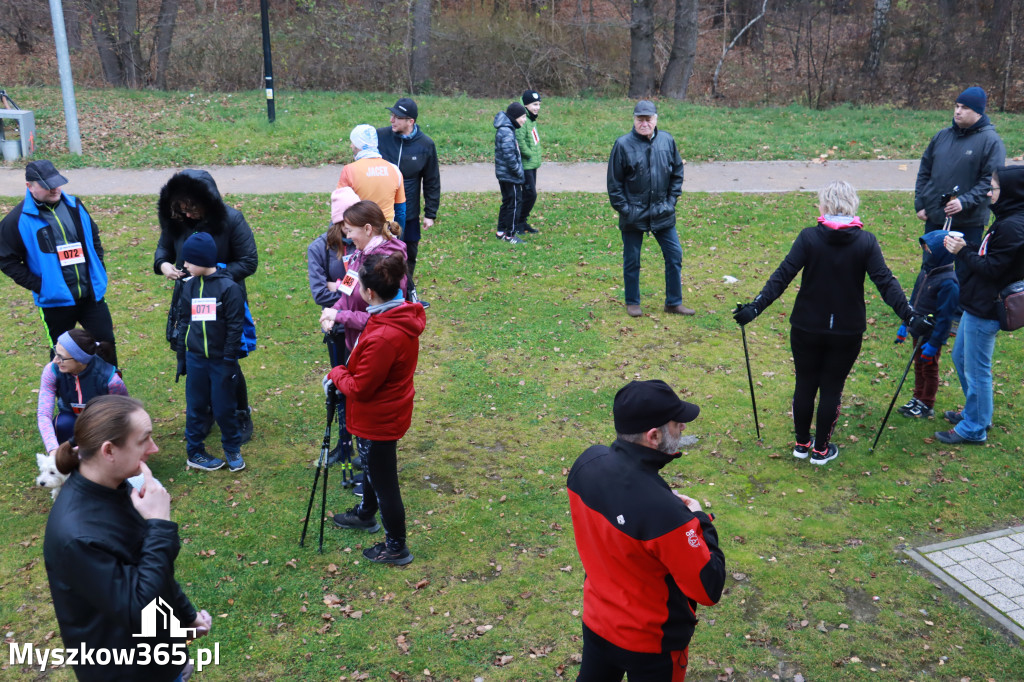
128, 50
162, 41
684, 49
641, 48
73, 25
879, 33
419, 55
106, 45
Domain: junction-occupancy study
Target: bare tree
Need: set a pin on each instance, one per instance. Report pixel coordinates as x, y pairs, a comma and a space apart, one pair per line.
725, 49
19, 21
165, 22
419, 53
879, 34
129, 51
641, 48
676, 79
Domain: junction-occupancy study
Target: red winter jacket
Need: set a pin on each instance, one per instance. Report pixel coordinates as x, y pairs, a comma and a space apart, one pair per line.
378, 378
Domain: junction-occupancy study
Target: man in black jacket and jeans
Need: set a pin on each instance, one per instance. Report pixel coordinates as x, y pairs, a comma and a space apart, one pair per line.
404, 144
958, 165
645, 179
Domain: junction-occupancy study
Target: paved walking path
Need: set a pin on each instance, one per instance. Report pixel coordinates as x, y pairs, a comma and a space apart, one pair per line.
737, 176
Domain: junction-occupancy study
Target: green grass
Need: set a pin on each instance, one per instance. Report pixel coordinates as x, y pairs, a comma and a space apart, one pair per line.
139, 129
522, 355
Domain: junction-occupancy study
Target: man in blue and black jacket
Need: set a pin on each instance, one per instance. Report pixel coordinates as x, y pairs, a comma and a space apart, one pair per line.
650, 554
50, 245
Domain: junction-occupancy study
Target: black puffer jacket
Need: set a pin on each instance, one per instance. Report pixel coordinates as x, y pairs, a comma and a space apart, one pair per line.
417, 159
986, 270
105, 564
645, 179
508, 162
236, 246
959, 158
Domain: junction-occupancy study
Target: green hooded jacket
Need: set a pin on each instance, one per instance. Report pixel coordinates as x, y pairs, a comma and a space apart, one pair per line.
529, 144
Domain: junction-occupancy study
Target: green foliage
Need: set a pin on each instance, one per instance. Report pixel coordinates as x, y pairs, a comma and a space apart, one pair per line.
140, 129
523, 352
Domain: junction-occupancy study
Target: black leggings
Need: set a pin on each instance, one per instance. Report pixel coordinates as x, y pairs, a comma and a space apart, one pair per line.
380, 490
823, 361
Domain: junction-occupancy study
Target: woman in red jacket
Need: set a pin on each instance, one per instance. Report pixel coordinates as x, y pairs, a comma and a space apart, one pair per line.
378, 387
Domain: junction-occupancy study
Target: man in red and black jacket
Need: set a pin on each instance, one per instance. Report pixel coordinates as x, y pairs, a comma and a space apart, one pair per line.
650, 554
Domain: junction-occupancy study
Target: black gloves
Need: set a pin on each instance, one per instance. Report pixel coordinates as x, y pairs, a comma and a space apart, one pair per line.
181, 367
745, 313
920, 325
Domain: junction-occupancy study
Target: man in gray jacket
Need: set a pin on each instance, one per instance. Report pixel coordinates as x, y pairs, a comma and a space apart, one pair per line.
956, 170
645, 179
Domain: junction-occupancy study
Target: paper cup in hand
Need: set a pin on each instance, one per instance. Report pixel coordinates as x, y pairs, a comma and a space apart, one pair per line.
956, 235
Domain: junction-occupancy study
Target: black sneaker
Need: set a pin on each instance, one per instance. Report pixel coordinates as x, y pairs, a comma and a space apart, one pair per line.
905, 408
245, 424
954, 418
511, 238
352, 520
357, 489
801, 450
380, 554
499, 235
824, 456
917, 410
530, 229
202, 460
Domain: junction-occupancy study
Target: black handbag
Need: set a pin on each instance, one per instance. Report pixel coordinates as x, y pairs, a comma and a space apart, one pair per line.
1011, 307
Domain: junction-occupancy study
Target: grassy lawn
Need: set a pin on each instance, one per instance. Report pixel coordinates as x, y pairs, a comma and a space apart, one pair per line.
523, 352
139, 129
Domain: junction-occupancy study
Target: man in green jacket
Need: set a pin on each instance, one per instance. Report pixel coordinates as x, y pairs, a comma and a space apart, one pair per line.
529, 147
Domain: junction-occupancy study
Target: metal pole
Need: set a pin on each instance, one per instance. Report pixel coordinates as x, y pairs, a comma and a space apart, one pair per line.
896, 395
750, 380
67, 85
268, 67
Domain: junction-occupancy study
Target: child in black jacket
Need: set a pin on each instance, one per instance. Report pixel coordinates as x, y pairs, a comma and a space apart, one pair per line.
210, 315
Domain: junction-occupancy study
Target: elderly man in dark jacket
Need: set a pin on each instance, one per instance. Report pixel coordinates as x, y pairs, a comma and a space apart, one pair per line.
645, 179
190, 202
956, 170
508, 168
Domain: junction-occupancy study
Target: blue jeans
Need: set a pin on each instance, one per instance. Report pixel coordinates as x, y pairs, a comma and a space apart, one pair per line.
668, 240
209, 384
972, 356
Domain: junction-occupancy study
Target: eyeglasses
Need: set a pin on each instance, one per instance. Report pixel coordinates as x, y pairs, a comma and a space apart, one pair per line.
57, 357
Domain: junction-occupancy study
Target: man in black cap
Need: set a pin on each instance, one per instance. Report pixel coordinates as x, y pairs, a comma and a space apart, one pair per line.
645, 179
50, 245
404, 144
650, 555
955, 174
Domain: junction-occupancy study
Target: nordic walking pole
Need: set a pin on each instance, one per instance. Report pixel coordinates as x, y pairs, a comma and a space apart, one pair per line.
321, 463
750, 379
917, 344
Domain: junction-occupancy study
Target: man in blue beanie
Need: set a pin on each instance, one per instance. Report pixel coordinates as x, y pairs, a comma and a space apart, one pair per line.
956, 170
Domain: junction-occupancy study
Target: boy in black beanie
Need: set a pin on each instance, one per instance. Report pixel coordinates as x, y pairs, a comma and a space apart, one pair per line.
210, 315
508, 167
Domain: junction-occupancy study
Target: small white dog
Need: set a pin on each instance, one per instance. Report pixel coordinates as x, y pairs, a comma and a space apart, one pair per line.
48, 476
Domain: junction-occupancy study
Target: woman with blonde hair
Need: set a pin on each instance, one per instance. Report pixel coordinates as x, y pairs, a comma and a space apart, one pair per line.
828, 318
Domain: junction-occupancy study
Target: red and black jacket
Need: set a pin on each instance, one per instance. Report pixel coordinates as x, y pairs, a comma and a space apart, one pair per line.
648, 559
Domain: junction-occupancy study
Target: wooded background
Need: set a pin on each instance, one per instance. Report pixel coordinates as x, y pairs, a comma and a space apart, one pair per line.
734, 52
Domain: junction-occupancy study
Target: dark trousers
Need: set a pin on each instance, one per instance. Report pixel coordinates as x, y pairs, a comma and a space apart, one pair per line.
926, 378
412, 250
529, 197
93, 316
511, 206
210, 383
381, 492
822, 362
605, 662
338, 353
64, 426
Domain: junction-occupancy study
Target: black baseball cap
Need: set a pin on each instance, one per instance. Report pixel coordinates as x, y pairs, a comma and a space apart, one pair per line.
45, 173
643, 405
405, 108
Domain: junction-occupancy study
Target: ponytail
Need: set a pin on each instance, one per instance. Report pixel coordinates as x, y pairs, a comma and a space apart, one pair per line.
392, 230
66, 458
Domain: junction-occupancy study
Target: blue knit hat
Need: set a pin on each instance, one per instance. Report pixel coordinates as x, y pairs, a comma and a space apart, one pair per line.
974, 98
200, 250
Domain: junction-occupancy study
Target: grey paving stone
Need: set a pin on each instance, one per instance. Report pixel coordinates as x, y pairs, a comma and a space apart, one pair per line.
1020, 601
940, 559
1018, 538
1014, 569
960, 573
982, 569
987, 552
1017, 556
1017, 616
1004, 604
1005, 544
1008, 586
959, 553
979, 587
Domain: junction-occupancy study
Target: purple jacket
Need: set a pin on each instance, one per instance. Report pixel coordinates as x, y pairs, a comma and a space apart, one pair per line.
351, 307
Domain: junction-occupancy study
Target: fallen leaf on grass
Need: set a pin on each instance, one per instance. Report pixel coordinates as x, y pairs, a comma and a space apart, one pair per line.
503, 660
421, 584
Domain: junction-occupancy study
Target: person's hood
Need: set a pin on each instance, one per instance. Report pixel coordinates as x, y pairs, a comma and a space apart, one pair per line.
408, 318
939, 256
981, 124
388, 247
1011, 191
839, 229
199, 186
501, 120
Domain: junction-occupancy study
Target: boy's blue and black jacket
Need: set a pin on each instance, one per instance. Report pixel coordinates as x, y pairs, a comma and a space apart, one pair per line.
220, 338
937, 291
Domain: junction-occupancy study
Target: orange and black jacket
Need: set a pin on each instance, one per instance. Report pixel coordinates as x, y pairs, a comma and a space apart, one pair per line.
648, 559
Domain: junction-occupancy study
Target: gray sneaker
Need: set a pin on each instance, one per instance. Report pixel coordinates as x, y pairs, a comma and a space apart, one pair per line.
353, 521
